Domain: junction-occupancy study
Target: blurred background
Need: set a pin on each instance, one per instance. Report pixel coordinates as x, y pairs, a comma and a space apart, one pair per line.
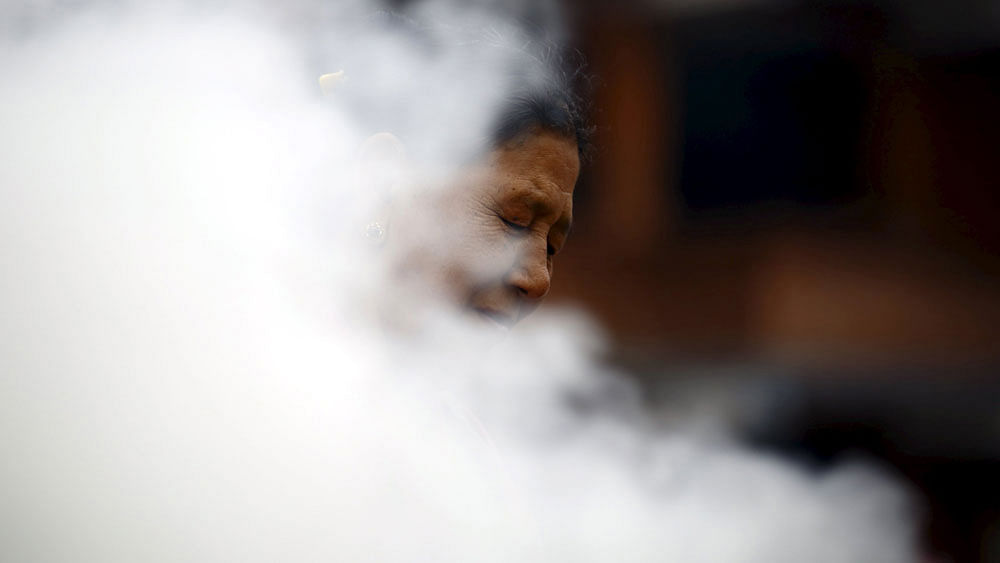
794, 207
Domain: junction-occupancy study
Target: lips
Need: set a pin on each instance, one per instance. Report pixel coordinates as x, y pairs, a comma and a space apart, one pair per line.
499, 320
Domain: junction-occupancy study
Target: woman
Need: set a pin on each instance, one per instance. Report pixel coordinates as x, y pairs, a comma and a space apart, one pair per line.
481, 226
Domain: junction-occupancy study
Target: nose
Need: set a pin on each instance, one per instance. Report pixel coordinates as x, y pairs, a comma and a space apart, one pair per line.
532, 275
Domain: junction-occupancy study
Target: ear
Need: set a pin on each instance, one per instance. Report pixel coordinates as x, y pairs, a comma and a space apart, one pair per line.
382, 164
382, 161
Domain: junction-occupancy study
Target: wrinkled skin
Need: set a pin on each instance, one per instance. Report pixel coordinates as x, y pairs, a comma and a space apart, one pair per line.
487, 240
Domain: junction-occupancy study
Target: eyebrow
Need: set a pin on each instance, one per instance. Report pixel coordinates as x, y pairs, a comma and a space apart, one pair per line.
564, 222
530, 191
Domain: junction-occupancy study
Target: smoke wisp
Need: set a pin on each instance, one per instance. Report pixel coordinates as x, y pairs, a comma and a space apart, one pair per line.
195, 363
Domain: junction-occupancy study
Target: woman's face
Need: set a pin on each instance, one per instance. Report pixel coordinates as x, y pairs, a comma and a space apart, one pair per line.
488, 239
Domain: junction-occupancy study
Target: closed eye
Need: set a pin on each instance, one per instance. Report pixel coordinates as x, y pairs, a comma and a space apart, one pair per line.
515, 227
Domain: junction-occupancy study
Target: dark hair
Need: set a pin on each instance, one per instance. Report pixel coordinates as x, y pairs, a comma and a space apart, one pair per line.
547, 84
554, 102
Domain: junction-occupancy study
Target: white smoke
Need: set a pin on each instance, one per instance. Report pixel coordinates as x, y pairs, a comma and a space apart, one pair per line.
192, 365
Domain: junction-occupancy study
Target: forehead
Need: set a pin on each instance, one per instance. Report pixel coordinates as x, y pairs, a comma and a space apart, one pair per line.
546, 159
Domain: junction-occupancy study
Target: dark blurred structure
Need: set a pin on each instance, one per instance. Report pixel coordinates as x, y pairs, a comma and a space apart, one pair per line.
809, 191
811, 183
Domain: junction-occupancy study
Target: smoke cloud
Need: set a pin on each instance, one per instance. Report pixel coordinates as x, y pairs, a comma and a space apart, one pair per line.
195, 361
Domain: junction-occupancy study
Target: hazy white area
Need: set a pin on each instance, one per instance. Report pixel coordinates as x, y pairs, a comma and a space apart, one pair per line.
194, 362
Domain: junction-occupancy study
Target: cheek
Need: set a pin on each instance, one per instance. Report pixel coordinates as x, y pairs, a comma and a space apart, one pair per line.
451, 246
481, 251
